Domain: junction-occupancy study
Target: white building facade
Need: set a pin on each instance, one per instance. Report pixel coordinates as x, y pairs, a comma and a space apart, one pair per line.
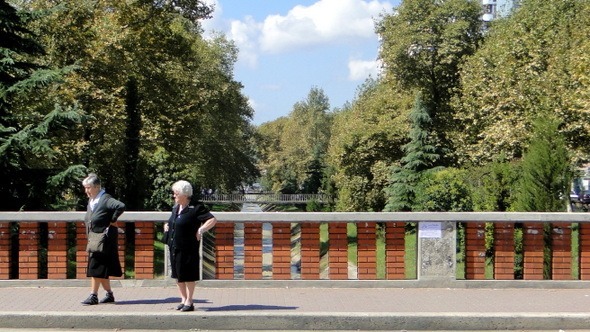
493, 9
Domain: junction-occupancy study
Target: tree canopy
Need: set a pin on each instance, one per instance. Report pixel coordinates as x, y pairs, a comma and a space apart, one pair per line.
160, 100
34, 168
135, 92
534, 61
424, 42
293, 149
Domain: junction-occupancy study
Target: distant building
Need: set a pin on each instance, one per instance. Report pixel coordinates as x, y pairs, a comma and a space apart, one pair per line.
493, 9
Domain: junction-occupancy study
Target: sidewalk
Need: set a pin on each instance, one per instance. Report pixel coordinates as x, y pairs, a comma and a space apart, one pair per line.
287, 308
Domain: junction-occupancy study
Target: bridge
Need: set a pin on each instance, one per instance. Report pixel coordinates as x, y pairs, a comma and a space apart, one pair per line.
296, 273
265, 198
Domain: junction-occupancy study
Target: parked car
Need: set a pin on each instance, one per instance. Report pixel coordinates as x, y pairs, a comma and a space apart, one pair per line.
584, 197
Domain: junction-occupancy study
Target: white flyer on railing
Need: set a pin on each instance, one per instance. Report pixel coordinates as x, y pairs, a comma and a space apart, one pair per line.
430, 229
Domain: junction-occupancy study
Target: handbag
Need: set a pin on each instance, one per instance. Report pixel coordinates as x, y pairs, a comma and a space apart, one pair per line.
165, 237
96, 242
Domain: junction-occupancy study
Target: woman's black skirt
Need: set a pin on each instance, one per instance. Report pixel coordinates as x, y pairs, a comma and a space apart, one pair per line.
105, 265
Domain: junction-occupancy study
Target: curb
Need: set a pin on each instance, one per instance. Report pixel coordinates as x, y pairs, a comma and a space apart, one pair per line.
297, 321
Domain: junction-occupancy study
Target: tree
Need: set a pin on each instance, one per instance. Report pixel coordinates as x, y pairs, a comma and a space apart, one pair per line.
546, 170
132, 145
532, 62
366, 139
35, 175
155, 88
444, 190
295, 164
546, 177
420, 158
493, 185
193, 10
315, 175
424, 43
268, 149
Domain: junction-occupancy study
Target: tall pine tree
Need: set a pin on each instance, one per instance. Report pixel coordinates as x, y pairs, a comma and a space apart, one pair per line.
420, 156
30, 179
546, 170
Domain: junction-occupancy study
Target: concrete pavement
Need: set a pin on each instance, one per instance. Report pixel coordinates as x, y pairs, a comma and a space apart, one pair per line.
150, 306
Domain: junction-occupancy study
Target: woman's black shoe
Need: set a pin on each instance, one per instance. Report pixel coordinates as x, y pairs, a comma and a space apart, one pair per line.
180, 306
91, 300
109, 298
188, 308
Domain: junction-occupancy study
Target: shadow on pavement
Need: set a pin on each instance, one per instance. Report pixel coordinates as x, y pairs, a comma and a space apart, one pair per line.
156, 301
249, 307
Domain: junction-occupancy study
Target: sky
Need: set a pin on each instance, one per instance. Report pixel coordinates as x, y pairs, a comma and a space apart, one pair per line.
288, 47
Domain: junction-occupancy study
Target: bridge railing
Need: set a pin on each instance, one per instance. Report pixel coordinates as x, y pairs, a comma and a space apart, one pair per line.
265, 197
318, 246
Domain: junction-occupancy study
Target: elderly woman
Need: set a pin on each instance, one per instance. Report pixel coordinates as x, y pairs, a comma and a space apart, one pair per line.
101, 217
185, 230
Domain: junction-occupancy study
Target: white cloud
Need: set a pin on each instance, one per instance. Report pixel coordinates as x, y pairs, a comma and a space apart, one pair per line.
252, 103
359, 70
326, 21
244, 34
214, 22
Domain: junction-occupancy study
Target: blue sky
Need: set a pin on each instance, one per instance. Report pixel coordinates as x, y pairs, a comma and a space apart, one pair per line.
287, 47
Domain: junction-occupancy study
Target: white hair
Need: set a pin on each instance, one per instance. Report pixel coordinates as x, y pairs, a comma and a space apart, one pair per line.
183, 188
91, 180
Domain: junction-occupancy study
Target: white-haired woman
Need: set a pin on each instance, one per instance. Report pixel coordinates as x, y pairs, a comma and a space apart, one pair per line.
185, 230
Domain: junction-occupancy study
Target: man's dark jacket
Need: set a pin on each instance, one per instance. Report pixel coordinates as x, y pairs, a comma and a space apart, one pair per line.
106, 211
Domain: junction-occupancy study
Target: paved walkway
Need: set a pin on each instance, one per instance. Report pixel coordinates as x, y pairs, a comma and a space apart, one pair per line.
288, 308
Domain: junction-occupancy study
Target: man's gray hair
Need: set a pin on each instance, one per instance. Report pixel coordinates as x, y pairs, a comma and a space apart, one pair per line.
183, 187
91, 180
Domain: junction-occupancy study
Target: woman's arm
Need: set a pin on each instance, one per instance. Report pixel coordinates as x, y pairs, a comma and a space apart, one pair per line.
207, 225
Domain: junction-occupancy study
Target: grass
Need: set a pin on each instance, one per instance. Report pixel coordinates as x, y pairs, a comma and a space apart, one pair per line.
381, 259
411, 248
575, 251
352, 244
159, 256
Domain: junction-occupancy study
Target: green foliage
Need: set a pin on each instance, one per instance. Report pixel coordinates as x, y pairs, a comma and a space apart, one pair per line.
534, 61
315, 174
16, 43
132, 145
518, 252
444, 190
366, 139
313, 206
292, 150
65, 185
420, 157
163, 176
424, 42
152, 87
36, 172
192, 10
160, 104
492, 185
546, 172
